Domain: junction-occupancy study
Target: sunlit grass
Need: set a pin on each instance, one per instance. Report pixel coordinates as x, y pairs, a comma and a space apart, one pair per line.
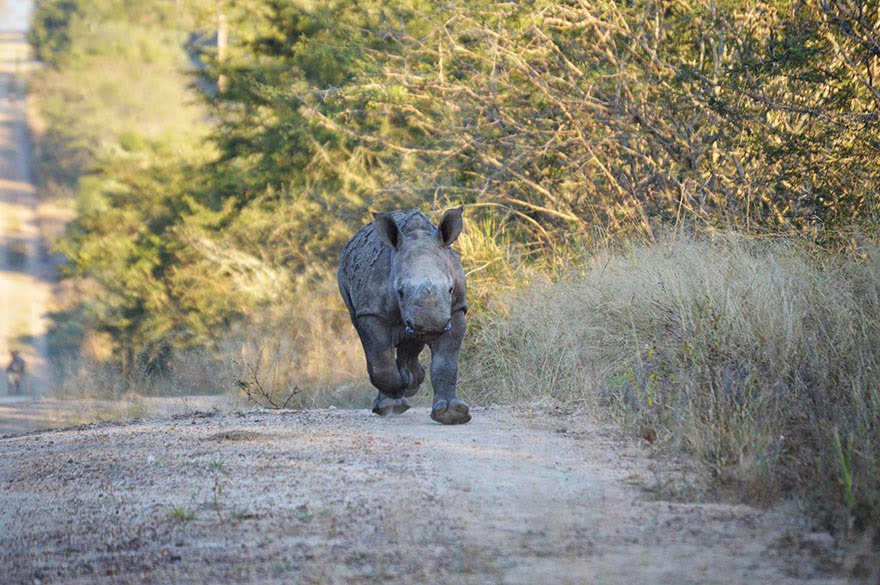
760, 357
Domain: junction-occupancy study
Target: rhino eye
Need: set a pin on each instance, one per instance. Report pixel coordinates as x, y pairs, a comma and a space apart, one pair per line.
450, 290
400, 293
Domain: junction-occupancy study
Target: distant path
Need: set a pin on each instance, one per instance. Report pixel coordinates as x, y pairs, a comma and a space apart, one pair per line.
26, 273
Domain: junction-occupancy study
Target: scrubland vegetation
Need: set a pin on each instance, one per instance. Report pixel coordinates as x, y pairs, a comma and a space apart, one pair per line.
671, 208
757, 356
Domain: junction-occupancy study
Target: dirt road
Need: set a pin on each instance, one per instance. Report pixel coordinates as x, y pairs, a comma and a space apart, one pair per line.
333, 496
25, 267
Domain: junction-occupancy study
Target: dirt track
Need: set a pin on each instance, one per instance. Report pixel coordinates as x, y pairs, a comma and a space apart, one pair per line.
26, 272
535, 496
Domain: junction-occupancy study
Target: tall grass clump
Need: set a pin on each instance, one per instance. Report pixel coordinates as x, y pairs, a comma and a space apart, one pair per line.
303, 349
761, 357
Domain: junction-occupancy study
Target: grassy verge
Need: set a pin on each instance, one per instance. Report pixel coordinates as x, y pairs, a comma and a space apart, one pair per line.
761, 357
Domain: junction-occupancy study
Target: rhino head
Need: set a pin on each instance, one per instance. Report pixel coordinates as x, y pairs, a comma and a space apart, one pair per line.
422, 282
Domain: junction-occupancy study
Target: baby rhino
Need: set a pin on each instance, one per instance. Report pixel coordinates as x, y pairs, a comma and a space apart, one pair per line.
404, 288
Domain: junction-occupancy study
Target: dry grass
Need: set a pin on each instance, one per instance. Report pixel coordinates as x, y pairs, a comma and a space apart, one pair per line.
299, 352
759, 356
305, 346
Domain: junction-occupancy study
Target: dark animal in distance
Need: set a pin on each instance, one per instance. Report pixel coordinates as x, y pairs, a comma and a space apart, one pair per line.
15, 373
405, 289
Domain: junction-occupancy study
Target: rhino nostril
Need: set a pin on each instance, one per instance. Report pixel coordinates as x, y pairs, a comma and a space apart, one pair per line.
409, 327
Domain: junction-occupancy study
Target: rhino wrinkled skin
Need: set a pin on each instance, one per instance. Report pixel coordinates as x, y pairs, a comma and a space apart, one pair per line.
404, 287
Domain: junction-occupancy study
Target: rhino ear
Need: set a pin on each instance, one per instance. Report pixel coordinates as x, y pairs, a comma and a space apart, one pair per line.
387, 230
450, 226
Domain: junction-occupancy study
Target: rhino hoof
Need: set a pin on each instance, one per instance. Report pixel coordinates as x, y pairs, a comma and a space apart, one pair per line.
390, 406
411, 391
450, 412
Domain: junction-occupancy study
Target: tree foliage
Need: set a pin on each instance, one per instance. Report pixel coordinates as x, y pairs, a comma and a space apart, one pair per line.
549, 119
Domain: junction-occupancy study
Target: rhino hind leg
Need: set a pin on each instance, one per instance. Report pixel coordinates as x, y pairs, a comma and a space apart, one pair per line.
387, 406
418, 376
409, 366
414, 372
450, 411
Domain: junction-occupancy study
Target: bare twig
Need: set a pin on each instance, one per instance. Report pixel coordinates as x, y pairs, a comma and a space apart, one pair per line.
257, 393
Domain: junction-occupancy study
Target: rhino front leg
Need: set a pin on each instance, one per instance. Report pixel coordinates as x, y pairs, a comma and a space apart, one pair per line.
389, 375
448, 409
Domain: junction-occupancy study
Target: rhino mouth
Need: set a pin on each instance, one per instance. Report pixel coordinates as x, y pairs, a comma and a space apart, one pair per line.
427, 333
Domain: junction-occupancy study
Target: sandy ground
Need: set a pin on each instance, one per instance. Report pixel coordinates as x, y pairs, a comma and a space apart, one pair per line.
535, 495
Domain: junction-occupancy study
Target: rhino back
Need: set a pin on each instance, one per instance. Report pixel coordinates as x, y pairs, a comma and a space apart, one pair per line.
364, 270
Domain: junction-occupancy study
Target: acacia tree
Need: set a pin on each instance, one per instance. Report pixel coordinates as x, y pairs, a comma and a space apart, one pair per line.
800, 102
617, 118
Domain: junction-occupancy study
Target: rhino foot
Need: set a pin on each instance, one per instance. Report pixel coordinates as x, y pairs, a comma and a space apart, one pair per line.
450, 412
390, 406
